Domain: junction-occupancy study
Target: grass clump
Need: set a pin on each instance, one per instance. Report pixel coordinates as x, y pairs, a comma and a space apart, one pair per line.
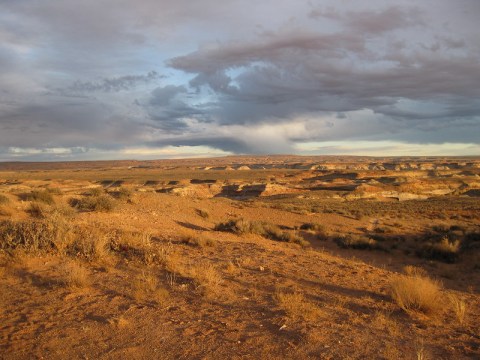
89, 243
123, 194
44, 196
267, 230
317, 229
147, 289
415, 291
4, 200
76, 276
297, 306
357, 242
37, 210
207, 279
201, 241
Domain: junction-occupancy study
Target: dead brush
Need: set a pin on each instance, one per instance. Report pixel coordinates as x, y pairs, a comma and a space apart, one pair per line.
415, 291
297, 306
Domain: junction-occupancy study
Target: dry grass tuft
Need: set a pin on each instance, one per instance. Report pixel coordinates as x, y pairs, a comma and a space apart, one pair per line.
459, 308
76, 276
207, 279
146, 288
38, 210
297, 307
200, 240
417, 292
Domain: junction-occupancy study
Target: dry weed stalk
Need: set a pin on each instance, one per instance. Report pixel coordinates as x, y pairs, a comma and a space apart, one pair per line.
459, 308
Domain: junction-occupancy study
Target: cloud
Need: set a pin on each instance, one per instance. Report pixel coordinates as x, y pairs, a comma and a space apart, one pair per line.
122, 83
110, 75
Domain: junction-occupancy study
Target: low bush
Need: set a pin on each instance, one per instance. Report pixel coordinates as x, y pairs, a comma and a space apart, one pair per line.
444, 250
44, 196
267, 230
30, 235
94, 203
357, 242
123, 193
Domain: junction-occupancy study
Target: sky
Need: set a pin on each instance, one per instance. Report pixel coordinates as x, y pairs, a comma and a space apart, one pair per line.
146, 79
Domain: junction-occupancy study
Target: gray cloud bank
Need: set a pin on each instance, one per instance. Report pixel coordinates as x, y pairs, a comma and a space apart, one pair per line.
117, 74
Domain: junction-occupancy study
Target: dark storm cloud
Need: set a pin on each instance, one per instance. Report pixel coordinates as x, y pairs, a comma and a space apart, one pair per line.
298, 72
230, 144
121, 83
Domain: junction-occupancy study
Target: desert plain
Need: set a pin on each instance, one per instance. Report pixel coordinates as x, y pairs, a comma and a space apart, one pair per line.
242, 257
